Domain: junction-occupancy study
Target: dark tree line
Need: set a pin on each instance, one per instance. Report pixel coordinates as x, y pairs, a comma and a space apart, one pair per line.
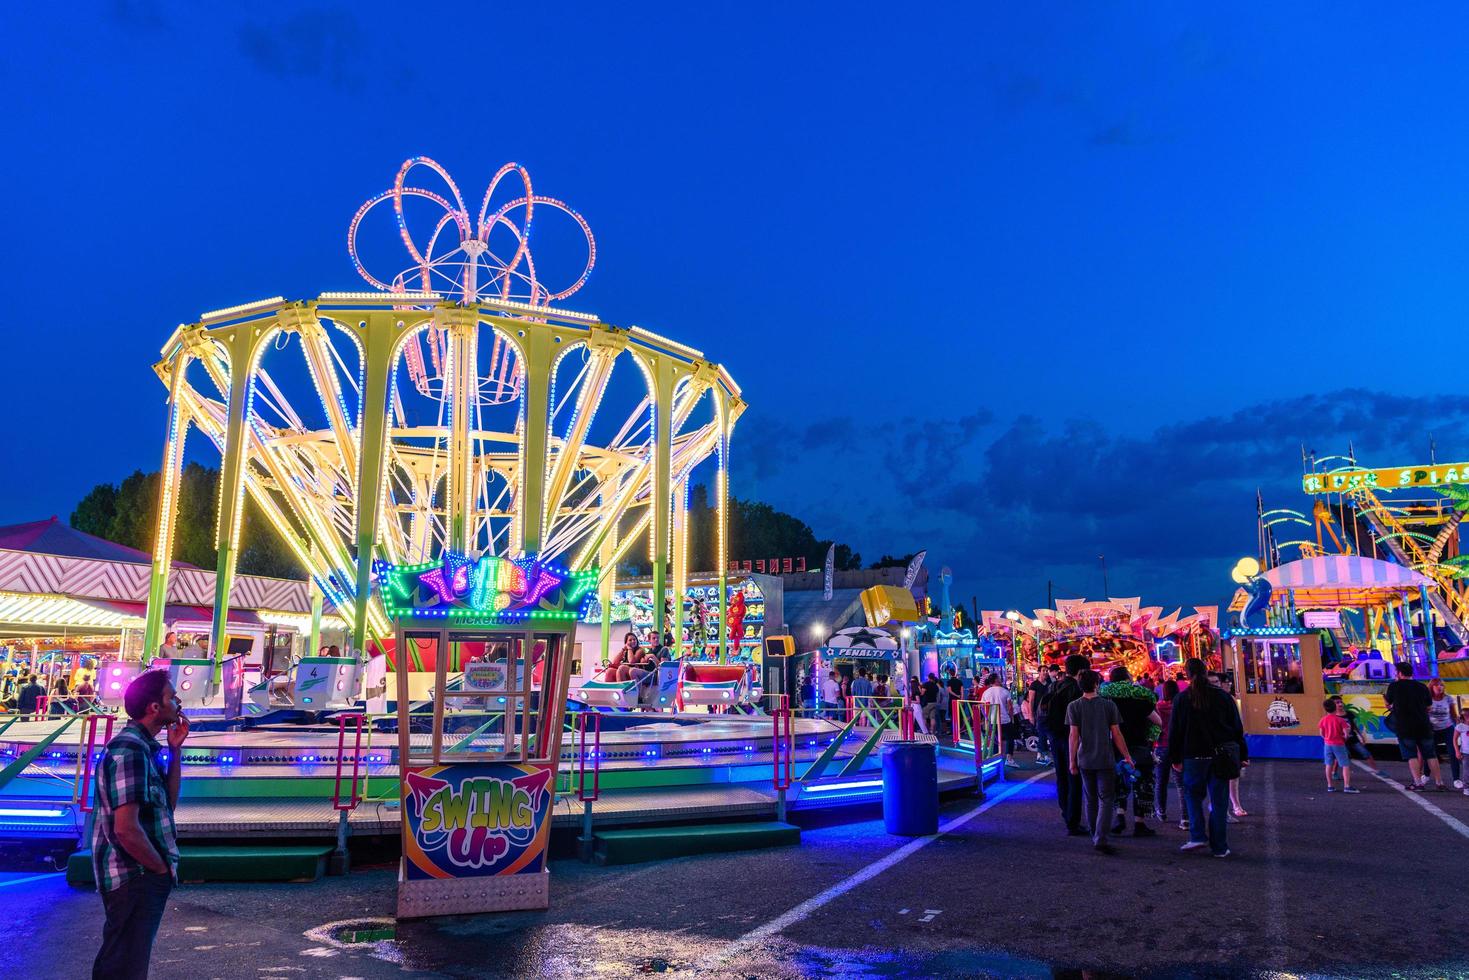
127, 513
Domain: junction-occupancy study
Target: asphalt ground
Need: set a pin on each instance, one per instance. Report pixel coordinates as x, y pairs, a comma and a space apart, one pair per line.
1318, 885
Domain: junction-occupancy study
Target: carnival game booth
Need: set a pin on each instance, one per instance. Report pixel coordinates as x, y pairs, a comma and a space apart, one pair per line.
856, 648
1275, 674
1109, 632
1360, 607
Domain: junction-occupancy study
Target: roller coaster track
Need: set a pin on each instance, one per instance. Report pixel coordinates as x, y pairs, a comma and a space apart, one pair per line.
1409, 548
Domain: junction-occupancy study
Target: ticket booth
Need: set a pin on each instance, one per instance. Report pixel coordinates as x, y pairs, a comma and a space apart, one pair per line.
1276, 676
478, 786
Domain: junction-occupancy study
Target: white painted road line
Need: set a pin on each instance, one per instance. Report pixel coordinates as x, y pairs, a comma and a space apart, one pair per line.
22, 881
1277, 936
1453, 823
804, 910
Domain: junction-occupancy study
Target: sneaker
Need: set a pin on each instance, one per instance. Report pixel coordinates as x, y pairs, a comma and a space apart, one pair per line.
1230, 818
1466, 792
1119, 825
1076, 832
1143, 830
1440, 787
1458, 784
1413, 788
1193, 845
1349, 789
1183, 824
1331, 789
1224, 853
1104, 848
1159, 815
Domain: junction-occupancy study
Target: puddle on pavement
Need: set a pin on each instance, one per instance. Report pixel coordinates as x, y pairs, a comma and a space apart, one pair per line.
348, 934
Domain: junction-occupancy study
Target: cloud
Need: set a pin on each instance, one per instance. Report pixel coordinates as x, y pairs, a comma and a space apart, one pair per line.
327, 43
1016, 504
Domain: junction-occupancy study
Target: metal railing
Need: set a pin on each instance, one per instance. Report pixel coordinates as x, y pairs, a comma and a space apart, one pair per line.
354, 796
87, 761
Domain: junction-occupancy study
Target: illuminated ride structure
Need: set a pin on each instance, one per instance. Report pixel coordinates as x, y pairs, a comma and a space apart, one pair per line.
460, 466
1109, 632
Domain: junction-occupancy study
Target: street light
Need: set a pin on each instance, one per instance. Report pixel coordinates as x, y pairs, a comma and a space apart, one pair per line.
1014, 618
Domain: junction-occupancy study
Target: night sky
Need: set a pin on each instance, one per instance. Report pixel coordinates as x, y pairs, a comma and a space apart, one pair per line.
1022, 284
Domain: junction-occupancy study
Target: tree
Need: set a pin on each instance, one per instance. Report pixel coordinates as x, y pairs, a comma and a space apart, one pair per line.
96, 510
127, 513
888, 561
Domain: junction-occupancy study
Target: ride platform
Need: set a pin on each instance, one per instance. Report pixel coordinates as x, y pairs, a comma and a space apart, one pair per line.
281, 781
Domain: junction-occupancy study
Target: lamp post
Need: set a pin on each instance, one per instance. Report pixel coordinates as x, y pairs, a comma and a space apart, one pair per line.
1014, 618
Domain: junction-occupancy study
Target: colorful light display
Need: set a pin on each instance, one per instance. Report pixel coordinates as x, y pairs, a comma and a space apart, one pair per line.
489, 590
455, 413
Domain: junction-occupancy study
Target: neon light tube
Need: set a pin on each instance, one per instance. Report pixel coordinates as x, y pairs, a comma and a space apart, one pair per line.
47, 814
831, 787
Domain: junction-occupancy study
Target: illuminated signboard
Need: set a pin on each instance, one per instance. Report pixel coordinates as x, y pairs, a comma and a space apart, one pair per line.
770, 566
466, 821
1392, 478
486, 591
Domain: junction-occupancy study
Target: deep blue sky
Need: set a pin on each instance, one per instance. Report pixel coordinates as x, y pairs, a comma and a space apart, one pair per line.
1019, 283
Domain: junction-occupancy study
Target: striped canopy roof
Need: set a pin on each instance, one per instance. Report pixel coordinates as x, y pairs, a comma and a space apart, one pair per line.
1343, 572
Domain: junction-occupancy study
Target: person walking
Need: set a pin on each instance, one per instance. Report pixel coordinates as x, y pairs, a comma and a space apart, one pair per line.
929, 702
862, 687
1443, 715
831, 695
1096, 731
1162, 771
1068, 783
1408, 701
135, 851
1140, 722
1035, 693
1206, 743
1002, 713
1334, 729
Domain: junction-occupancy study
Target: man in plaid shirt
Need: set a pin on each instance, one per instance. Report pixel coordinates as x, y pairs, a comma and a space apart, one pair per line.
135, 852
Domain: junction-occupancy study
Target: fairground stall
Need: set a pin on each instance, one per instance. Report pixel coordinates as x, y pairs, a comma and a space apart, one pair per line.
73, 605
1108, 632
1333, 624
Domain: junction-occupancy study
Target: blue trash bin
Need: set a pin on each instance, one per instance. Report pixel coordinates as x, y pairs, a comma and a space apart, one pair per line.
910, 788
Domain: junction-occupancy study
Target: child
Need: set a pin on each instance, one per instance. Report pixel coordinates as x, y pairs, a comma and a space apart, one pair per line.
1334, 731
1356, 747
1461, 744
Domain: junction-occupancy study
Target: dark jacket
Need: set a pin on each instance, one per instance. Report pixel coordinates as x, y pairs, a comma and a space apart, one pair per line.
28, 698
1194, 733
1063, 692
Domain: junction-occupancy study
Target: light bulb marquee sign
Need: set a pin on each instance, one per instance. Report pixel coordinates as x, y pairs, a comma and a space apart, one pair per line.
486, 591
1389, 478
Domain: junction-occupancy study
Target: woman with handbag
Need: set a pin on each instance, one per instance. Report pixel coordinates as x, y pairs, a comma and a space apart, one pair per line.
1206, 742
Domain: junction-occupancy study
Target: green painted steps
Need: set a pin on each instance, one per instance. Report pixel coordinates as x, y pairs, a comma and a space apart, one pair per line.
228, 863
659, 843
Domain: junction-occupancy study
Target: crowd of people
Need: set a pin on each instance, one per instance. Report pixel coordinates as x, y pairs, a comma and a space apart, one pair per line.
26, 694
1127, 739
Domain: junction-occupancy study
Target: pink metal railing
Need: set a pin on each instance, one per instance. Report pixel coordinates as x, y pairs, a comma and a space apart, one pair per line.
782, 746
355, 794
581, 763
88, 759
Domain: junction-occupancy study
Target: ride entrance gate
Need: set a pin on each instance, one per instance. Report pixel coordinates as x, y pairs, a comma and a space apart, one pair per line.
478, 784
477, 793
